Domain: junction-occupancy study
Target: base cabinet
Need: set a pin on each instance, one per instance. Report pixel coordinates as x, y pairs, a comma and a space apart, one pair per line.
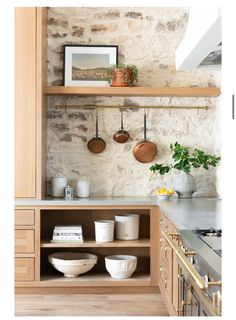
169, 269
33, 246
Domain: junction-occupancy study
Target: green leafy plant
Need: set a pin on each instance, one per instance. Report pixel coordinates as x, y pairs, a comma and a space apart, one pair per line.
134, 72
186, 161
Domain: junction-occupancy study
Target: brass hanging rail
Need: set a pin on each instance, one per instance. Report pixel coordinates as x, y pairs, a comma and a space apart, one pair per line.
133, 107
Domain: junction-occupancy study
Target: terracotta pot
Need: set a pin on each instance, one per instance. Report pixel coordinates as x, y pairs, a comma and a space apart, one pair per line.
121, 77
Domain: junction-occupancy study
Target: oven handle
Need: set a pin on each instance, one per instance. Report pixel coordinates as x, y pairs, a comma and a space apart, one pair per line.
186, 264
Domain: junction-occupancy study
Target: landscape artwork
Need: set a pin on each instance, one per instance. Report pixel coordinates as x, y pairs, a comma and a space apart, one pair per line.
90, 66
87, 65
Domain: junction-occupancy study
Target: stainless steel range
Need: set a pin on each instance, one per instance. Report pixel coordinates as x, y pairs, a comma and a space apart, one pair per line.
199, 256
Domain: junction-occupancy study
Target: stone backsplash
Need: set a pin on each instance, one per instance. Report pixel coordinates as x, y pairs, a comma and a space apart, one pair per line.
148, 38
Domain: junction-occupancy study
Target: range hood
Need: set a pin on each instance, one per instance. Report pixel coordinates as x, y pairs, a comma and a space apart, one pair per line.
201, 45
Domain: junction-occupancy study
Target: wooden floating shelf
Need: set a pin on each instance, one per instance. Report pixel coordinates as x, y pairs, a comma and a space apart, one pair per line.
141, 243
134, 91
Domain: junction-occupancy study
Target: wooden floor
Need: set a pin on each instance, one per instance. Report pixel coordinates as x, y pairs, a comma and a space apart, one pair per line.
139, 304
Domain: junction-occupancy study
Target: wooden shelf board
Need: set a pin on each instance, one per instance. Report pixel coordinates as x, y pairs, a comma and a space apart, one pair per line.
24, 255
141, 243
93, 280
134, 91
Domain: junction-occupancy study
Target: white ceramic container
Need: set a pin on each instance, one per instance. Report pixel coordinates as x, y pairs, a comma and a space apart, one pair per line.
127, 226
104, 230
121, 266
58, 185
72, 263
82, 188
184, 185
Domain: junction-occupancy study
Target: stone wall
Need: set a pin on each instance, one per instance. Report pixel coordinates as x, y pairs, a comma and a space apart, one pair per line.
148, 38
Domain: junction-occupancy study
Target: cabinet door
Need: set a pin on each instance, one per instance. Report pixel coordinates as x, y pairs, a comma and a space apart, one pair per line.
25, 102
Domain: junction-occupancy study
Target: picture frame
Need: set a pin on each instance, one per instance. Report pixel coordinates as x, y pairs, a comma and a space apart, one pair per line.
87, 65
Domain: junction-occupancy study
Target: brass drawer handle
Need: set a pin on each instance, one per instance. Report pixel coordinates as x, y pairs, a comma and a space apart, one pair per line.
217, 302
166, 283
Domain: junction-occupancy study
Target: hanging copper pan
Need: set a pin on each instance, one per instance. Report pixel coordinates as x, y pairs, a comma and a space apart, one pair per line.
96, 144
145, 151
121, 136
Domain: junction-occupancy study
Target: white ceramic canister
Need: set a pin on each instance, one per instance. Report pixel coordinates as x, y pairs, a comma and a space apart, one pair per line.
59, 182
104, 230
82, 188
127, 226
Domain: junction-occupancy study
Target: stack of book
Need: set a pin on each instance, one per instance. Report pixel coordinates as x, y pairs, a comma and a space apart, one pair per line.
67, 234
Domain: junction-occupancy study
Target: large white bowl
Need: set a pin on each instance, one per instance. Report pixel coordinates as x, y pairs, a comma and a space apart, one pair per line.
121, 266
72, 263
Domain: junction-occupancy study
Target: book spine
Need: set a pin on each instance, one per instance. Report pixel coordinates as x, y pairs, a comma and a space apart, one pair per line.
68, 227
78, 241
67, 237
67, 233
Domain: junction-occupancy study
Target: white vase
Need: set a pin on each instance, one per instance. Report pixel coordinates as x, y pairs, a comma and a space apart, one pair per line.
184, 185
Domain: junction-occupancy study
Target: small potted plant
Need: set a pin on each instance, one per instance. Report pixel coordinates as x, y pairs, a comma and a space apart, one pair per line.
123, 75
184, 161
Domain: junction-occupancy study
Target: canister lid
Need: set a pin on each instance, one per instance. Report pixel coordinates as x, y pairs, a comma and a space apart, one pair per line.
59, 175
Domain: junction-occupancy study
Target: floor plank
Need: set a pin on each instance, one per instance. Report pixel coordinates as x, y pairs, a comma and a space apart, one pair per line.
147, 304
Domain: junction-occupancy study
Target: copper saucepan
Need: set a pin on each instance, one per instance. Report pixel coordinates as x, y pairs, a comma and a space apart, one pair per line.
145, 151
96, 144
121, 136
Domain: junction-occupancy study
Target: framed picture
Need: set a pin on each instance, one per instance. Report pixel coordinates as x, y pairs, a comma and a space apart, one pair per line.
88, 65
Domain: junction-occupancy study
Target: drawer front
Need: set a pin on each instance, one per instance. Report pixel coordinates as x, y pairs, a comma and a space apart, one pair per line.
166, 254
24, 217
24, 241
165, 224
24, 269
165, 282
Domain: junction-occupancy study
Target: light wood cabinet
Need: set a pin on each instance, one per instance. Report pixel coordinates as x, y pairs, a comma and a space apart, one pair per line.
24, 217
29, 122
24, 241
24, 269
168, 268
145, 277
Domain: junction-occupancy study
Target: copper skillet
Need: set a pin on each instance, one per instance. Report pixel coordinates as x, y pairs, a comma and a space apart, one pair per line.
96, 144
145, 151
121, 136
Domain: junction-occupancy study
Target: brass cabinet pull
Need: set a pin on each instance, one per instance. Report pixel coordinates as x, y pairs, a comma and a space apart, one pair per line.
217, 302
166, 248
166, 282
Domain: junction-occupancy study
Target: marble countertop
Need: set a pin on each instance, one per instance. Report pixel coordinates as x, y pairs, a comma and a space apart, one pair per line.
91, 201
185, 214
188, 214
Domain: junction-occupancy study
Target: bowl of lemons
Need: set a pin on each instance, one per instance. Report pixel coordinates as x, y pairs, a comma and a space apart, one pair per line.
163, 193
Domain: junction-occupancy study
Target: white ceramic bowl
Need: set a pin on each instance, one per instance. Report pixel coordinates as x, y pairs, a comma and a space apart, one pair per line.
121, 266
161, 197
72, 263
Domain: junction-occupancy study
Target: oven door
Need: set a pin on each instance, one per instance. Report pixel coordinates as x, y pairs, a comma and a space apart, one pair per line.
189, 306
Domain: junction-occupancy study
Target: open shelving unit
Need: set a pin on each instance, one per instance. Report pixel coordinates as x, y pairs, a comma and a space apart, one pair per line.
145, 248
